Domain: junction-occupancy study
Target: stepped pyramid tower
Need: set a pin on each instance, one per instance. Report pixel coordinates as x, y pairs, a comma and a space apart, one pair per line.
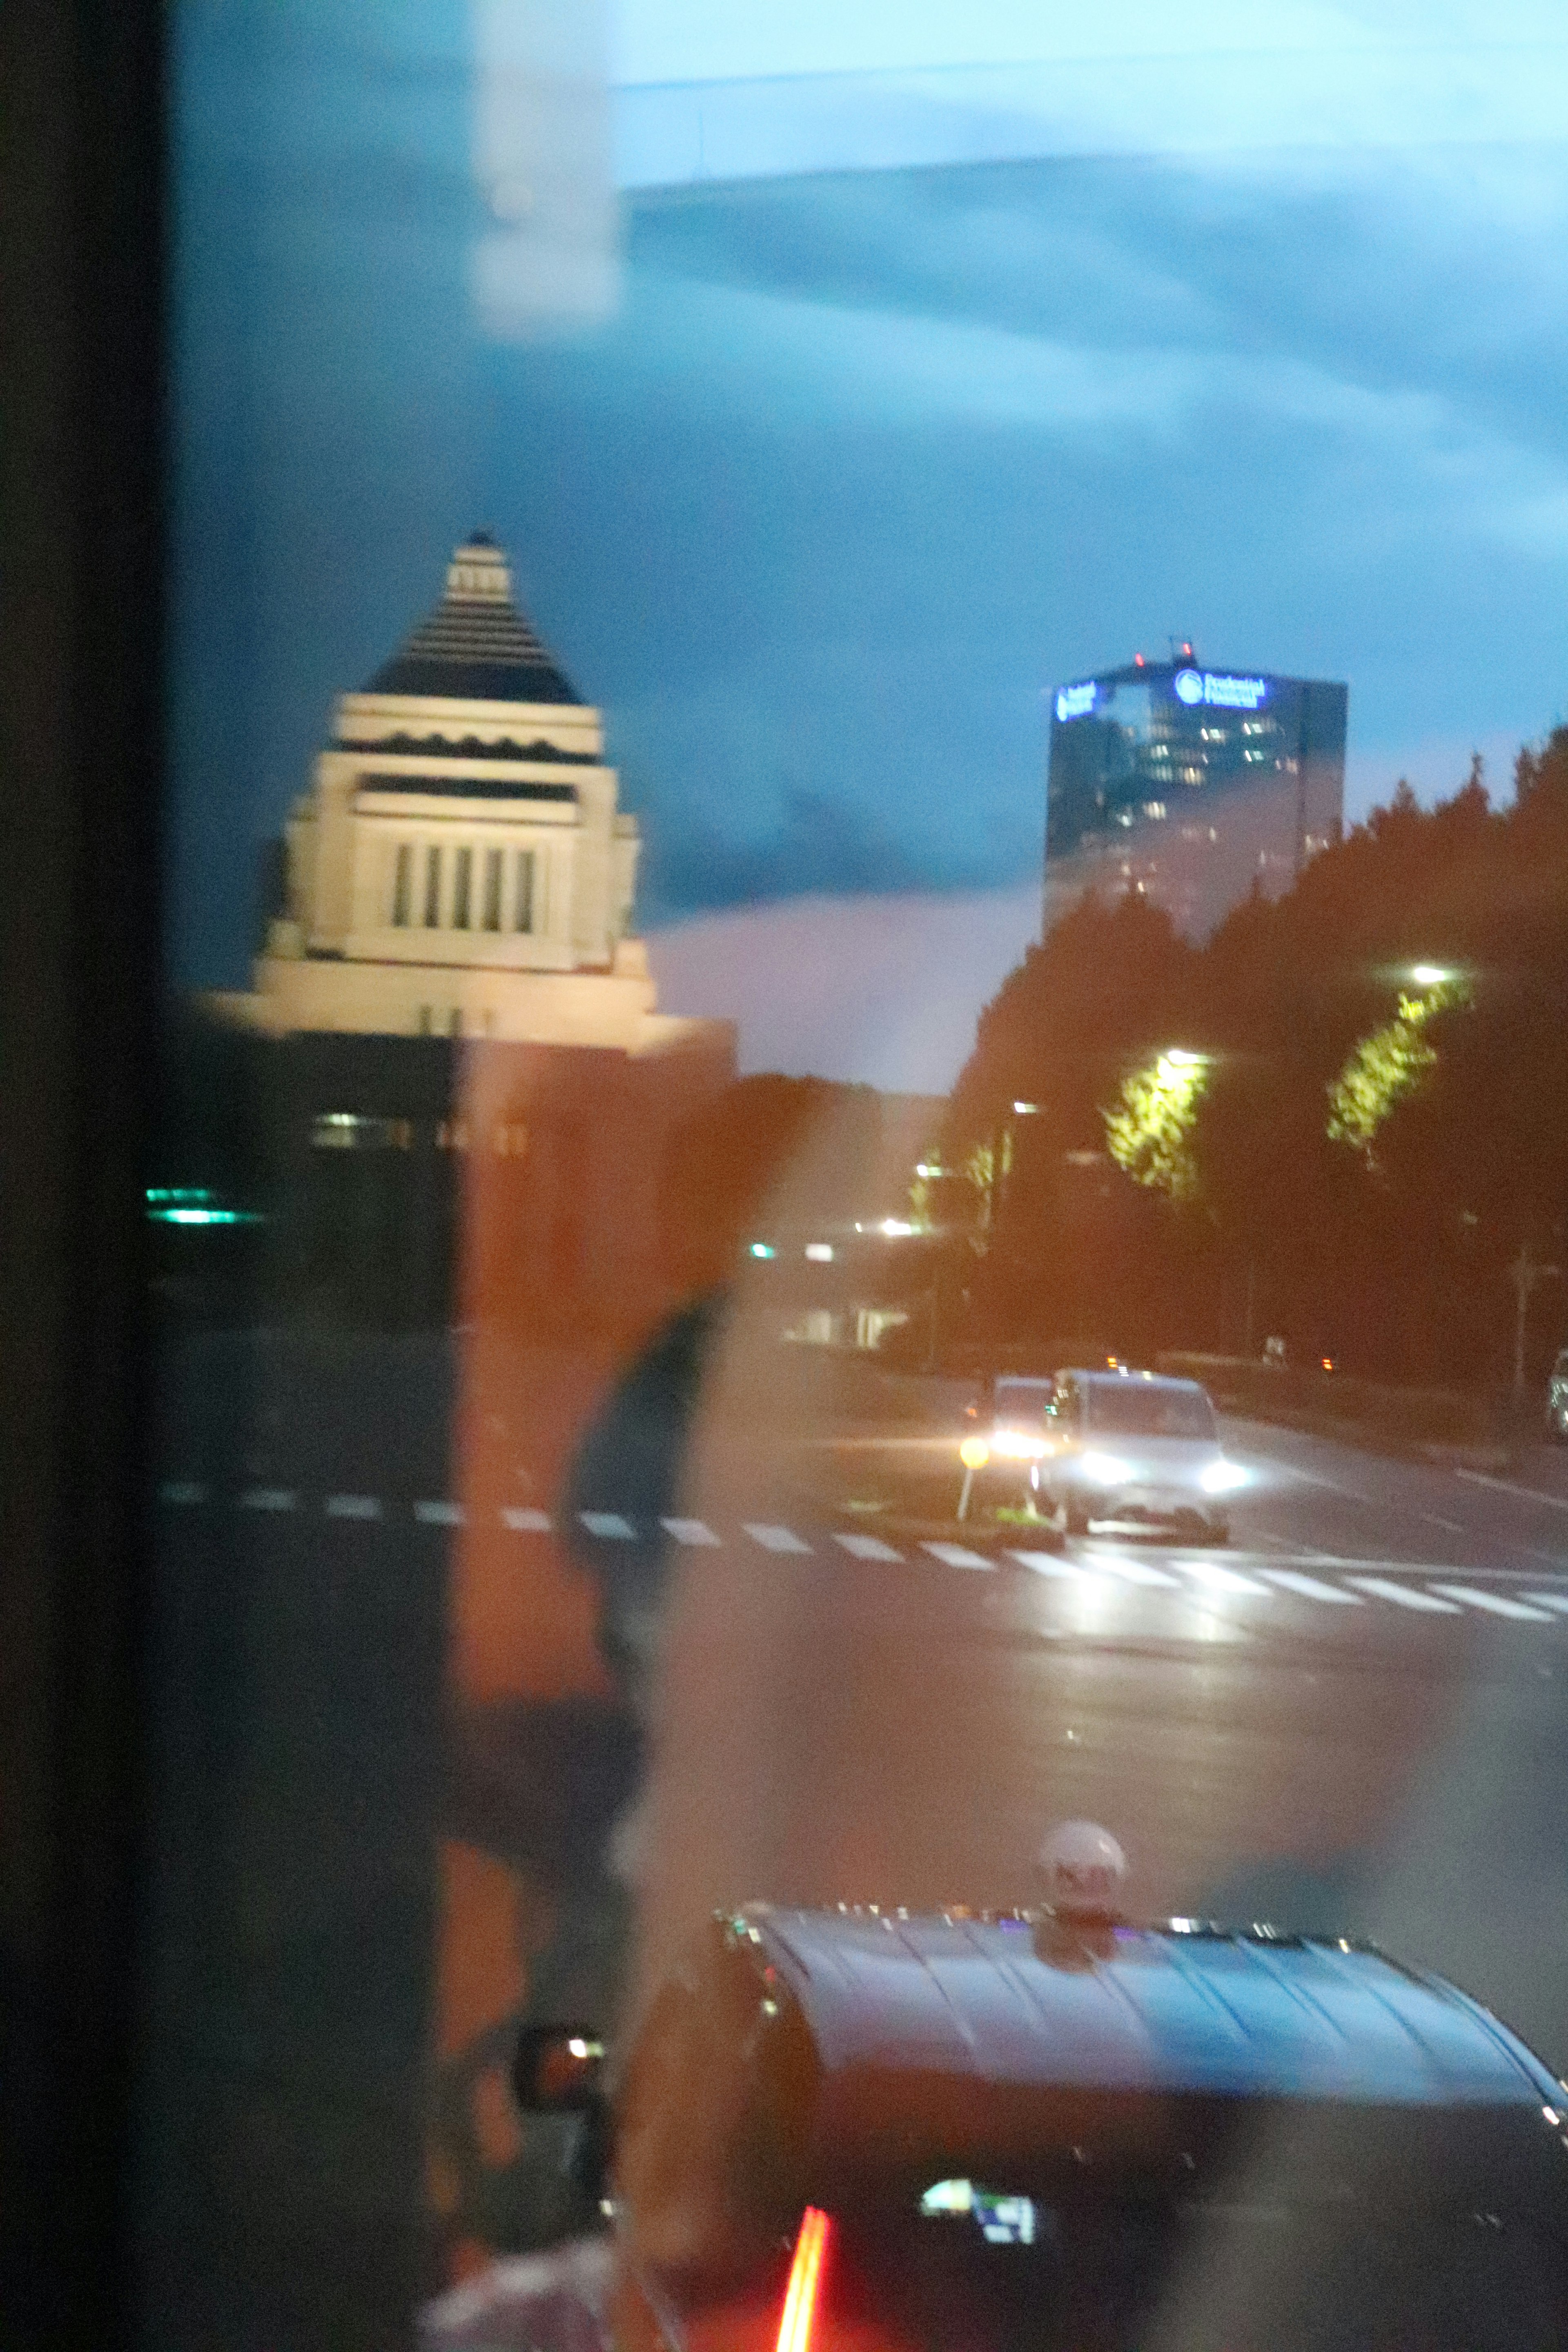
460, 866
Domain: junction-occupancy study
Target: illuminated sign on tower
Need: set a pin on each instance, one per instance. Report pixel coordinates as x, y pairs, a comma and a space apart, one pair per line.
1192, 786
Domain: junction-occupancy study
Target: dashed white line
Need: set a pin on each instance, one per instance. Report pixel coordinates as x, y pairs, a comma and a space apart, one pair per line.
1496, 1604
868, 1548
1225, 1580
773, 1539
1436, 1519
1136, 1571
1312, 1587
689, 1531
956, 1556
1507, 1486
609, 1524
438, 1515
353, 1506
1406, 1596
269, 1499
525, 1522
1047, 1564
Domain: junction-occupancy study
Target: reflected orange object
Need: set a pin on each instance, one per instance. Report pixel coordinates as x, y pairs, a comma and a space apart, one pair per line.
805, 2282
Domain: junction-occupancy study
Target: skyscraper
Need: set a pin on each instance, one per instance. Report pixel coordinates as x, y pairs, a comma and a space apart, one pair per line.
1191, 785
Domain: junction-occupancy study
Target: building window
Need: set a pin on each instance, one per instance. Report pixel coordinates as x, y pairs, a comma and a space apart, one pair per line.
432, 890
462, 889
525, 889
403, 886
492, 890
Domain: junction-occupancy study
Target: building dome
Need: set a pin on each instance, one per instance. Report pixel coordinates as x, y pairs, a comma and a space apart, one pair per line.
475, 646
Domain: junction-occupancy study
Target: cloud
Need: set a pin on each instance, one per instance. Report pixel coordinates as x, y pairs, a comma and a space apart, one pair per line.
885, 991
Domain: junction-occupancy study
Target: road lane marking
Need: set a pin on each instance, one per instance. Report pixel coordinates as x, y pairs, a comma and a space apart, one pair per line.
185, 1491
773, 1539
956, 1556
1497, 1604
1557, 1601
609, 1524
1312, 1587
525, 1522
1137, 1571
689, 1531
1507, 1486
353, 1506
1436, 1519
1406, 1596
269, 1499
868, 1548
1225, 1580
1048, 1563
438, 1515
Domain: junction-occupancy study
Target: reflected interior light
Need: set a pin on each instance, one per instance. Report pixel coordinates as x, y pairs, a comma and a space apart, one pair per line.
948, 2197
805, 2282
762, 1249
820, 1253
894, 1226
1429, 975
1026, 1110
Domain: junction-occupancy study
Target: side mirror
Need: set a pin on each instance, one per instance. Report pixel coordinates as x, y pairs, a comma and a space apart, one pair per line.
558, 2070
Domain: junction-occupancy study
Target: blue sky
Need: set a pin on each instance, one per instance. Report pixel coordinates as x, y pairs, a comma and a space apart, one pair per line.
841, 469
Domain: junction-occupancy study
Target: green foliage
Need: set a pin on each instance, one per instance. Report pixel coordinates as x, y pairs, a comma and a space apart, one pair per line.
1384, 1069
1150, 1133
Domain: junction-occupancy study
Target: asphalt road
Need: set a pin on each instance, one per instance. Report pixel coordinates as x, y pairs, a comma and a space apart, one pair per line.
1353, 1720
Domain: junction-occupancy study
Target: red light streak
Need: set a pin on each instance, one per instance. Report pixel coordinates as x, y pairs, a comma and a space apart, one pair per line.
805, 2282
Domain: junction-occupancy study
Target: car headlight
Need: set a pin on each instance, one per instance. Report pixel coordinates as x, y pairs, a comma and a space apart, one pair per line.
975, 1454
1105, 1469
1222, 1477
1018, 1445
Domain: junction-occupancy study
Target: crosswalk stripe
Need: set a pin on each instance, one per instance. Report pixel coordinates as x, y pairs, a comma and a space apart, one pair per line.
689, 1531
956, 1556
1046, 1563
525, 1522
1406, 1596
773, 1539
1557, 1601
1497, 1604
1136, 1572
269, 1499
608, 1524
1312, 1587
438, 1515
868, 1548
353, 1506
1225, 1580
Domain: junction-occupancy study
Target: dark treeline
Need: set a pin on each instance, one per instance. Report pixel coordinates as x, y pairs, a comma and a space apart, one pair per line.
1339, 1121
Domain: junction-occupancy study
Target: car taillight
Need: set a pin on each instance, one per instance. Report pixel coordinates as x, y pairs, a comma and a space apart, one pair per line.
805, 2282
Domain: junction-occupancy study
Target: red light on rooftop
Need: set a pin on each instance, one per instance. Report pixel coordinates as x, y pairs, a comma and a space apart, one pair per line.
805, 2282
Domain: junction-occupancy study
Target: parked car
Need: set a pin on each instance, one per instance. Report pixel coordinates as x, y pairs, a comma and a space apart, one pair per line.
855, 2129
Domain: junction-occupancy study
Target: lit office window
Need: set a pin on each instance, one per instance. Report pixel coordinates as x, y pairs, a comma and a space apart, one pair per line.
403, 886
525, 889
462, 889
492, 890
432, 890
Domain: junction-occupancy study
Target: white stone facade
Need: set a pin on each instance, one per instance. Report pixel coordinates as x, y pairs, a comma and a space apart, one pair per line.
460, 867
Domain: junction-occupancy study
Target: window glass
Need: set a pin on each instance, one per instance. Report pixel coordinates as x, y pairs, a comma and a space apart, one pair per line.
864, 702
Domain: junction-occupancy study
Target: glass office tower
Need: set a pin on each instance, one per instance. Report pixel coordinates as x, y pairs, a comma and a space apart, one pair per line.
1190, 785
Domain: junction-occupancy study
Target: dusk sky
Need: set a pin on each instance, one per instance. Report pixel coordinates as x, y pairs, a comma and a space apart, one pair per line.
855, 464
